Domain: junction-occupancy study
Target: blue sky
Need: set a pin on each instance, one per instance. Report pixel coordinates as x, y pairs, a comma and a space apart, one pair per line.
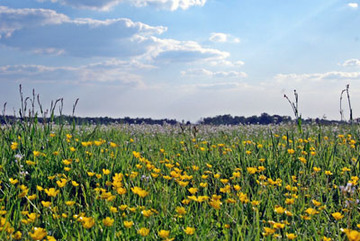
182, 59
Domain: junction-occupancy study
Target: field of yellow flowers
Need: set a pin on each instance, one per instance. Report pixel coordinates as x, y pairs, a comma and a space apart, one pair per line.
139, 182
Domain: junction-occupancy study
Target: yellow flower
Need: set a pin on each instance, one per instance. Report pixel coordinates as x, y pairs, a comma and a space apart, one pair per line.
279, 210
14, 145
121, 191
106, 171
88, 222
147, 213
108, 222
193, 190
180, 210
61, 183
164, 234
237, 188
112, 144
30, 163
291, 236
189, 230
32, 217
144, 232
230, 200
52, 192
316, 169
70, 203
17, 235
113, 209
316, 203
311, 211
251, 170
328, 173
90, 174
224, 181
278, 225
67, 162
305, 217
289, 201
128, 224
139, 191
352, 235
123, 207
326, 239
268, 231
337, 215
13, 181
50, 238
46, 204
215, 204
38, 233
291, 151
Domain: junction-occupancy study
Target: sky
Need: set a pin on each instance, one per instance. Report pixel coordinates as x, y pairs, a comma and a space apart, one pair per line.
182, 59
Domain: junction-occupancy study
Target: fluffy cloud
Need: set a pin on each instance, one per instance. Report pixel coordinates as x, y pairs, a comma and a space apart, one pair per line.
214, 74
113, 71
351, 62
16, 19
317, 77
171, 50
223, 38
47, 32
227, 63
353, 5
105, 5
169, 4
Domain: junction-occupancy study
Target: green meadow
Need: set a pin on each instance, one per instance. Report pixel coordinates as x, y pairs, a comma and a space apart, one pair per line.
152, 182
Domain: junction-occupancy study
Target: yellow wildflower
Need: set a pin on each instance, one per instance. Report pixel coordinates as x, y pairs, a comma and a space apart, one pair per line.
189, 230
52, 192
38, 233
164, 234
128, 224
337, 215
108, 222
144, 232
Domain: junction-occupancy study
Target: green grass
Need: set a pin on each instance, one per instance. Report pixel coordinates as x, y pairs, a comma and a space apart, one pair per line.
165, 162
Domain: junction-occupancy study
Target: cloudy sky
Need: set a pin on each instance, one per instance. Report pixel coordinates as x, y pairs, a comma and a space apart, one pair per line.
182, 59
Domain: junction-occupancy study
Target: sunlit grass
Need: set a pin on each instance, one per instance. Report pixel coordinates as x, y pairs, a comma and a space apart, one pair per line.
170, 183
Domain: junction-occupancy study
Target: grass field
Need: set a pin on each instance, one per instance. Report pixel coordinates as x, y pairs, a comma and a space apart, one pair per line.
170, 183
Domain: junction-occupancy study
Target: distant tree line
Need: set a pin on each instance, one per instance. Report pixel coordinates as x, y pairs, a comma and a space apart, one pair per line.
263, 119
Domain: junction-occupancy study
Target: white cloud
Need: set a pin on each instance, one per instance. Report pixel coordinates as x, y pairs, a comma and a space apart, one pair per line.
353, 5
57, 34
106, 5
16, 19
317, 77
214, 74
171, 5
224, 62
113, 71
49, 51
171, 50
223, 38
351, 62
45, 31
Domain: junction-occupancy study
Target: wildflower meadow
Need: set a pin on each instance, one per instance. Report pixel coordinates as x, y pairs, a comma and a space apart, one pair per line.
152, 182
